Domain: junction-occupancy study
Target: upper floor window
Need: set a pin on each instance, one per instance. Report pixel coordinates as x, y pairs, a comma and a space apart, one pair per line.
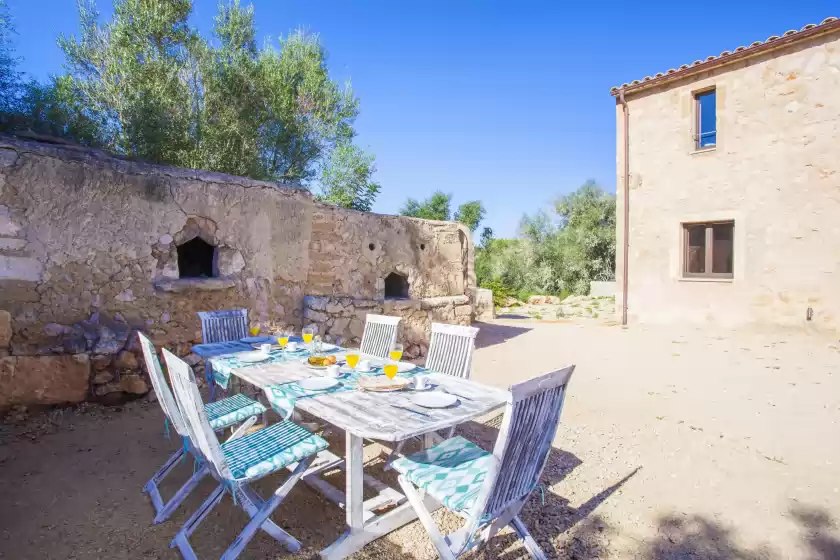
705, 107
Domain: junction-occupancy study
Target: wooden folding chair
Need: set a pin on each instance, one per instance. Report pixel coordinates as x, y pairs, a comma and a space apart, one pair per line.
235, 464
221, 415
489, 489
221, 326
379, 335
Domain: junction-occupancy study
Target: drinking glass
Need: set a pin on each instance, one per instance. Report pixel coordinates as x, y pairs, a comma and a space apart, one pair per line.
283, 339
391, 369
308, 333
255, 329
352, 359
396, 352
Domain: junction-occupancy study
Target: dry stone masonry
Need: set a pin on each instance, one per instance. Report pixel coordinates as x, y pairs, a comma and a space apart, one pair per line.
94, 248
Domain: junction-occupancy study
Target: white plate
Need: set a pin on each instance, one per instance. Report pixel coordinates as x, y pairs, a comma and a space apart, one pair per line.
403, 367
253, 357
434, 399
253, 339
317, 383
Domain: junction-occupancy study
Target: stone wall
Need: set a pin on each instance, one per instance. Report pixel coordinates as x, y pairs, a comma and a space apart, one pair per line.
775, 171
89, 255
342, 319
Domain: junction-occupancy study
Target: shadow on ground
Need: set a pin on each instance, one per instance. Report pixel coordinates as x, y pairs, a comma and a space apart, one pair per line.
492, 333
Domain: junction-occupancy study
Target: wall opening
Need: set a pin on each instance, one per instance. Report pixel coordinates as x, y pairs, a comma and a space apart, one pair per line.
396, 286
196, 259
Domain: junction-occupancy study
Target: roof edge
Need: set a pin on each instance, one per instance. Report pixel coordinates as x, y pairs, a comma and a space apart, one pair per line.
774, 42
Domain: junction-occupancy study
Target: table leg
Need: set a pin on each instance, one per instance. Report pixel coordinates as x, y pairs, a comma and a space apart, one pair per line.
355, 461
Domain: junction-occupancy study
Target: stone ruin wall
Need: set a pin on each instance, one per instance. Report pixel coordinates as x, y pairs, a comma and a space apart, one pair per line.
88, 256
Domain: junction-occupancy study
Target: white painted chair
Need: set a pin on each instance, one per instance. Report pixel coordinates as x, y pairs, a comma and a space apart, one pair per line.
451, 349
235, 464
221, 415
221, 326
379, 335
489, 489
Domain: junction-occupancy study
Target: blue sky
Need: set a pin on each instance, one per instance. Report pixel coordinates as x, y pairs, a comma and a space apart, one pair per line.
506, 102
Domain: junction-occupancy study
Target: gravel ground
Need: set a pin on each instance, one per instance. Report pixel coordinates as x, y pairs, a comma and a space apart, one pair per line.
674, 444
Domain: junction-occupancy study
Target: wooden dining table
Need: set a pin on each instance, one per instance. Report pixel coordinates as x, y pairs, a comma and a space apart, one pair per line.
389, 417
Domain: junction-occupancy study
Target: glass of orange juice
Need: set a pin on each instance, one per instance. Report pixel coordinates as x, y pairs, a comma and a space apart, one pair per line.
396, 352
255, 329
283, 339
352, 359
391, 369
307, 334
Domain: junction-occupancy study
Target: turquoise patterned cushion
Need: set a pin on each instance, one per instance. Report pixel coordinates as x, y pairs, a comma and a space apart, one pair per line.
270, 449
452, 472
232, 410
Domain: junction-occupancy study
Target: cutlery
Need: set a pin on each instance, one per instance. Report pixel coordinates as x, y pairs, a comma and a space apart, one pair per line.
445, 390
412, 410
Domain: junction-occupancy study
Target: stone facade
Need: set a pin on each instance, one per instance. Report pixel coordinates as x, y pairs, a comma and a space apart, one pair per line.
342, 319
775, 172
89, 254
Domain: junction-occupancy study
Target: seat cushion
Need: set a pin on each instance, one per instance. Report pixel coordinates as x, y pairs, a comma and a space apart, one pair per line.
232, 410
270, 449
452, 472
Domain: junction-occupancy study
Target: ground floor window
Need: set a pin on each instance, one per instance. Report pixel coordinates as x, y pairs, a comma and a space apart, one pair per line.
708, 250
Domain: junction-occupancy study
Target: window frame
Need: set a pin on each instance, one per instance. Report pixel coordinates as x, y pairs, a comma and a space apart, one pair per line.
698, 130
708, 241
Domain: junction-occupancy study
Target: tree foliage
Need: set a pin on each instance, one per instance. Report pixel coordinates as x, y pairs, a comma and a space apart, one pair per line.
437, 207
555, 254
10, 78
147, 85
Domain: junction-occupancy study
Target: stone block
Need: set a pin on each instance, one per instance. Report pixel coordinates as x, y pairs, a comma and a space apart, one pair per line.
334, 307
133, 384
8, 227
339, 326
5, 329
8, 157
44, 380
11, 244
314, 316
100, 362
318, 303
463, 310
21, 268
126, 361
231, 262
103, 377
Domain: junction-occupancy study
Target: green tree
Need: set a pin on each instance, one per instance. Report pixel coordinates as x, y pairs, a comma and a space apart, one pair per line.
146, 85
436, 207
345, 179
470, 214
555, 254
10, 77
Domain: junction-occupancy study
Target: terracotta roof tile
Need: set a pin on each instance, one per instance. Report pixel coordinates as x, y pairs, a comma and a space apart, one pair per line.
712, 60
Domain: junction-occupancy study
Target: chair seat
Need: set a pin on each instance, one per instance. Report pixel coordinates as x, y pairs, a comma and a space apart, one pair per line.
452, 472
270, 449
232, 410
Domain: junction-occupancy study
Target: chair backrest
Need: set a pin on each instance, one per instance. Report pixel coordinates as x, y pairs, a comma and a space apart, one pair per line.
222, 326
161, 387
379, 335
192, 408
531, 419
451, 349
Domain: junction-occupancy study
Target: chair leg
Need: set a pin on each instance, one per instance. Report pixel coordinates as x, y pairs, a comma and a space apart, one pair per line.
450, 432
527, 539
211, 382
151, 487
181, 495
426, 519
393, 455
261, 515
182, 538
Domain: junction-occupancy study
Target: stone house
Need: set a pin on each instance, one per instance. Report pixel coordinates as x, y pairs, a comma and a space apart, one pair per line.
94, 248
728, 180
